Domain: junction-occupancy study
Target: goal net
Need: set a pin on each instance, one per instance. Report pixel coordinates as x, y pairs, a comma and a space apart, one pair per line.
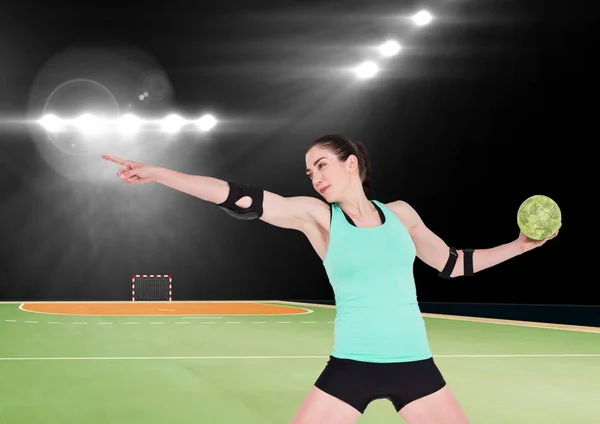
151, 287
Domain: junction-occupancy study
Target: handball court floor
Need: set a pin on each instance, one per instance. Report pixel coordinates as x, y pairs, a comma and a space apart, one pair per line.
253, 363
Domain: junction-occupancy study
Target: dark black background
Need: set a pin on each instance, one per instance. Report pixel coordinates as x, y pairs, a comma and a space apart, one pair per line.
488, 105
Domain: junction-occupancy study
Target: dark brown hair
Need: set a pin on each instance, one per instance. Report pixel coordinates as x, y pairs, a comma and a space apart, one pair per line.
343, 147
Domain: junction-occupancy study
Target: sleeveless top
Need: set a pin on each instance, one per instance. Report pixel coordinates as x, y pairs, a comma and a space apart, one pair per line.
371, 272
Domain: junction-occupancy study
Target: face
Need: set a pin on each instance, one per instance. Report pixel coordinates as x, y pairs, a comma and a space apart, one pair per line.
329, 176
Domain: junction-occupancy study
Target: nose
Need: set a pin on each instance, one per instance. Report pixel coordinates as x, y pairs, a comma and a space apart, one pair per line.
317, 180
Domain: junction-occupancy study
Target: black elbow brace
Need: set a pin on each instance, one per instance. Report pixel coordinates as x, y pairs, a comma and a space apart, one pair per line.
452, 257
236, 192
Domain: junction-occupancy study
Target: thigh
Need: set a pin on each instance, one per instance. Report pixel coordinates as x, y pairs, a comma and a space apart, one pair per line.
435, 408
410, 381
319, 407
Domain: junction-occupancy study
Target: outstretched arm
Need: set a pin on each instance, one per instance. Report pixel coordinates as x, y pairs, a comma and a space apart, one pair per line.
432, 250
287, 212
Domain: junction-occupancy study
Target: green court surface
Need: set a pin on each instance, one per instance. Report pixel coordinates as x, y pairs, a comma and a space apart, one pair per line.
256, 369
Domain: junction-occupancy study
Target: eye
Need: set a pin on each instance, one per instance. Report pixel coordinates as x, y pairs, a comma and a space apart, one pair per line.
321, 165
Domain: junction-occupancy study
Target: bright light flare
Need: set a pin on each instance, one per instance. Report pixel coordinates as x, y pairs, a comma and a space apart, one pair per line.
390, 48
51, 123
89, 124
366, 70
206, 122
129, 124
422, 18
172, 123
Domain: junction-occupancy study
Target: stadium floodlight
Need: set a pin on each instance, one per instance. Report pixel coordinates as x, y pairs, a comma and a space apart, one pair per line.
390, 48
51, 123
172, 123
421, 18
128, 124
206, 122
366, 70
89, 124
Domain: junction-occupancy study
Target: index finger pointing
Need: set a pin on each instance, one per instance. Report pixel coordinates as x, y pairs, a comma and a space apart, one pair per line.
114, 159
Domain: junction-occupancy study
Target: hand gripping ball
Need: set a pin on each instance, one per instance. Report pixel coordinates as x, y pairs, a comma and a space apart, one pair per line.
539, 217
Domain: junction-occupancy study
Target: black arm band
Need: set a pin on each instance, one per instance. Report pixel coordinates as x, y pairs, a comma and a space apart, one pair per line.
451, 262
236, 192
449, 267
468, 262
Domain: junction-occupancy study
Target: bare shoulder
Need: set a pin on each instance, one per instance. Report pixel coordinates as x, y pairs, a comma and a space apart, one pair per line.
405, 212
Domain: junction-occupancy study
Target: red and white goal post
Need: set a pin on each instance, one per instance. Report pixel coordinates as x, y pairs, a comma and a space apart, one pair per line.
152, 287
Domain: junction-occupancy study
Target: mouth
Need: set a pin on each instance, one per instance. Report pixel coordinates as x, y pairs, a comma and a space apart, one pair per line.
324, 189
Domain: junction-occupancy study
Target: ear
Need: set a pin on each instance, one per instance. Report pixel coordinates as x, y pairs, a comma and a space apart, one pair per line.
352, 164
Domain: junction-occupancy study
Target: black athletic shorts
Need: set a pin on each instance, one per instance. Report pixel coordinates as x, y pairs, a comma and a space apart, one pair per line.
359, 383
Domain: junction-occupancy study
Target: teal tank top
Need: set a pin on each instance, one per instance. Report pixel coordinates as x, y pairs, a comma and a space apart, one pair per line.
378, 318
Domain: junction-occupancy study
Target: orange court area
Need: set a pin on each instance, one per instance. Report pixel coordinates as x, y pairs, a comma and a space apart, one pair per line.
161, 308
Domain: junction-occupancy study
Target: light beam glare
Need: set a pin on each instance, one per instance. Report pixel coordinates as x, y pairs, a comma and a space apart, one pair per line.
206, 122
390, 48
89, 124
366, 70
51, 123
172, 123
129, 124
421, 18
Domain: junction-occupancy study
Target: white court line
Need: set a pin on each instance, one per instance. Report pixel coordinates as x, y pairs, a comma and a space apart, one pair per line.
140, 358
202, 317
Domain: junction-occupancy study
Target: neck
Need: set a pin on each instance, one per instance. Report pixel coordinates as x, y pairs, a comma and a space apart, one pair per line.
356, 203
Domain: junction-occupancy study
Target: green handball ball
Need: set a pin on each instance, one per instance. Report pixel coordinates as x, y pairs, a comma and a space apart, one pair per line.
539, 217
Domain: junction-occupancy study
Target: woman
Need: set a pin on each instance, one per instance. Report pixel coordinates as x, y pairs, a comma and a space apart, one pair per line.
368, 250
